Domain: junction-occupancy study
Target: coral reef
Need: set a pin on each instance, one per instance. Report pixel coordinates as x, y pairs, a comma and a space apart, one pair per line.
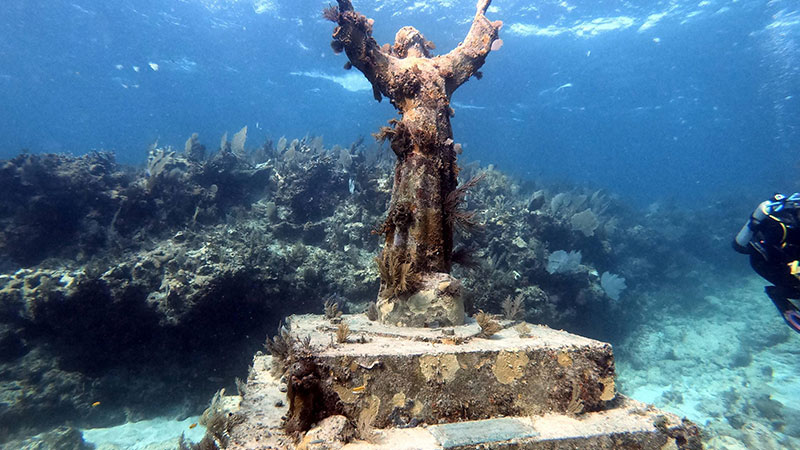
180, 277
50, 201
59, 438
174, 273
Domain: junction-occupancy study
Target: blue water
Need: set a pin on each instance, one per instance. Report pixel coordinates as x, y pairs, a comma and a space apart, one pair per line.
670, 100
657, 101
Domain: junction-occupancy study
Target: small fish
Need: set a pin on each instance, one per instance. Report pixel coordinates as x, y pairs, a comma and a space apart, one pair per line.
360, 388
192, 425
95, 404
153, 66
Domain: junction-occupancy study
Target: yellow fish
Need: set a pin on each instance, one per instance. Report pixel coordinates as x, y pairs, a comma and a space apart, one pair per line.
95, 404
192, 425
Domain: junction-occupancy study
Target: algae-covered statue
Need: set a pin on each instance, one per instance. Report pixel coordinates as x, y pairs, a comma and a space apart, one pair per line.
416, 287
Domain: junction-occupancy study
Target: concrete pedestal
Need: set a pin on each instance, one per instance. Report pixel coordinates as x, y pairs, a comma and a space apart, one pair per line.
446, 388
438, 302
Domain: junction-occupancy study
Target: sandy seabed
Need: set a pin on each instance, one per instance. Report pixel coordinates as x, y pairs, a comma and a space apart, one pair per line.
729, 364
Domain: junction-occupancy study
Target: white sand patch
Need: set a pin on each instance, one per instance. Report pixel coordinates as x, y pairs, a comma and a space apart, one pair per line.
146, 434
728, 362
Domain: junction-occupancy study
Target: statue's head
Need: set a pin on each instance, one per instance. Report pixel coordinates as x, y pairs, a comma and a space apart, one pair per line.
410, 42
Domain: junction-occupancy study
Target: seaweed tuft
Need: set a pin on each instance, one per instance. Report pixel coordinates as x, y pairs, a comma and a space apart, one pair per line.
342, 333
219, 420
332, 311
331, 13
279, 347
488, 325
514, 308
457, 217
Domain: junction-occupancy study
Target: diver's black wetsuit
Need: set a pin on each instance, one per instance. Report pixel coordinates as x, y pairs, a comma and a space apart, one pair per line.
772, 239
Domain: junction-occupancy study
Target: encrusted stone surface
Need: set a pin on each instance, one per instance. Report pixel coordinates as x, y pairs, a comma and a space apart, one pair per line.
622, 423
627, 425
438, 302
411, 376
262, 407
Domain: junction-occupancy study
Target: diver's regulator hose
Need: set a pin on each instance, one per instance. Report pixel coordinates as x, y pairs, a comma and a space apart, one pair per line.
746, 233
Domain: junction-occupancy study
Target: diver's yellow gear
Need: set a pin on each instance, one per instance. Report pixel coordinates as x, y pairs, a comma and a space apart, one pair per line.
773, 230
794, 268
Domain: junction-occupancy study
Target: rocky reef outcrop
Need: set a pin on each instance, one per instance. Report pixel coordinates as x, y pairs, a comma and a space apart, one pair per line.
119, 284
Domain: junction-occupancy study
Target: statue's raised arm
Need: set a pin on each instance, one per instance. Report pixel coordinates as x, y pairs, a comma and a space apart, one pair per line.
354, 35
469, 55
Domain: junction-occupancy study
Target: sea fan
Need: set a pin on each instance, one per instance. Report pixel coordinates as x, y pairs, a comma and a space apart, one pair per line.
562, 262
613, 285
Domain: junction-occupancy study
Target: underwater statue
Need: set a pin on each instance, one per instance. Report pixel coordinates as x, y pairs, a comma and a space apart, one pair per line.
416, 286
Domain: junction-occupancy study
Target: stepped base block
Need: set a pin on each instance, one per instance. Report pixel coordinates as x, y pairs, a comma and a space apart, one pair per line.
403, 377
526, 387
627, 425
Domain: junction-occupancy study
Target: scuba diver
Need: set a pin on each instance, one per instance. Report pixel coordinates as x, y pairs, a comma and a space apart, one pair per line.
771, 237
